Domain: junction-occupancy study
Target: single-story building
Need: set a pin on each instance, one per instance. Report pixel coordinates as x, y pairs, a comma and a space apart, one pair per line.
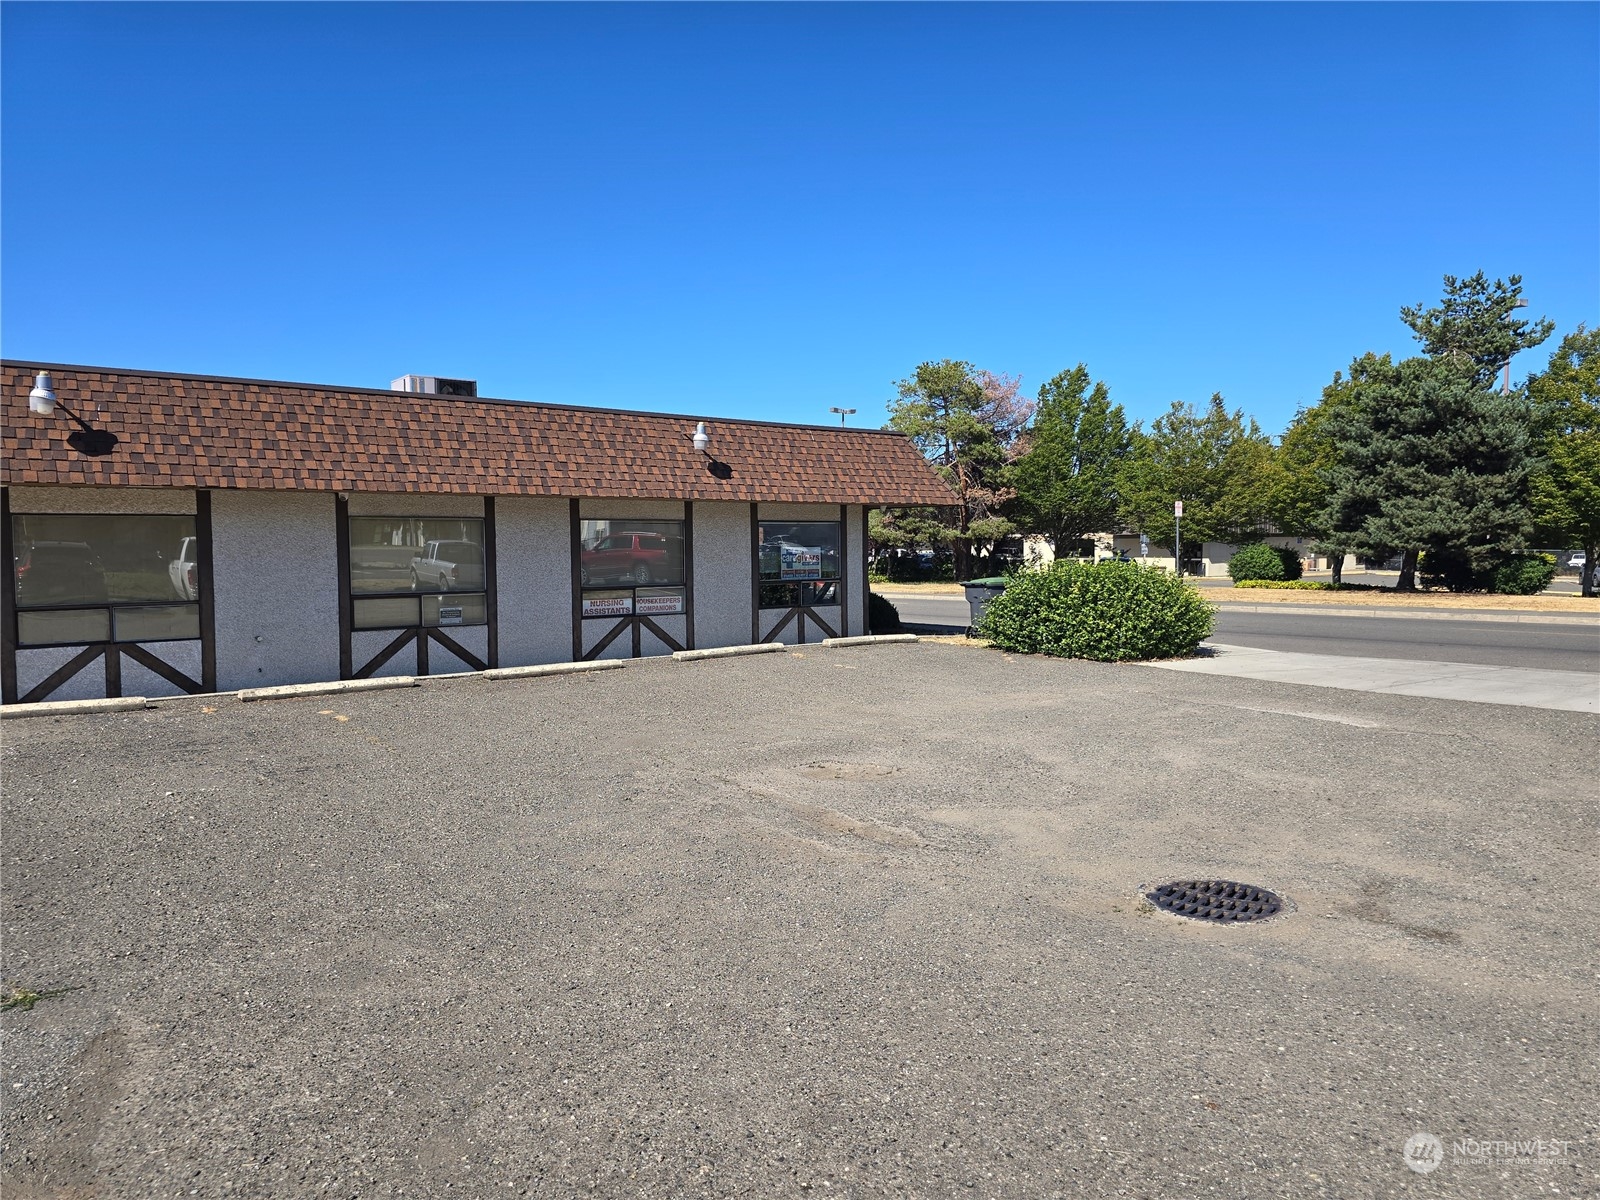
245, 532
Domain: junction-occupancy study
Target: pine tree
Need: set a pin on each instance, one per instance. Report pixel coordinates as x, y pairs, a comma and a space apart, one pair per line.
967, 423
1474, 326
1429, 459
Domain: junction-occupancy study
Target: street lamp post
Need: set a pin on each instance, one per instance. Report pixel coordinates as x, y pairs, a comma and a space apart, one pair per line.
843, 413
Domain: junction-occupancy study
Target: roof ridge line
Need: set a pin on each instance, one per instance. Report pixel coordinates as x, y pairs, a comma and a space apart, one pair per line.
33, 365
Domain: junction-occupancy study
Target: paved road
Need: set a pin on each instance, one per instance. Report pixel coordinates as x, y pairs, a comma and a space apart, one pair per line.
780, 926
1554, 647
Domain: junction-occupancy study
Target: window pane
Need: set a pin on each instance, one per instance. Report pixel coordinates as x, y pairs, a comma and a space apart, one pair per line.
103, 557
162, 623
622, 551
779, 595
809, 594
79, 625
421, 554
454, 610
797, 550
399, 612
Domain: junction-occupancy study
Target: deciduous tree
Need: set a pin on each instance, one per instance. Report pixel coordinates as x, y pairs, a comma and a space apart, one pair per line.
1566, 483
1066, 482
1212, 460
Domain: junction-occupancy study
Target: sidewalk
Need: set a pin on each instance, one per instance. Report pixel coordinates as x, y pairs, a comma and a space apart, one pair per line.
1569, 691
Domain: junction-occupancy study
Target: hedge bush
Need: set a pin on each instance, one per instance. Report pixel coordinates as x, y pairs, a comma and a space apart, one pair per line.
1514, 575
1525, 575
1108, 611
882, 617
1303, 585
1261, 561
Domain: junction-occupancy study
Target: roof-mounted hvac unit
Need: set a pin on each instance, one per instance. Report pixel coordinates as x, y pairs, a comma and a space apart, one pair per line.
433, 385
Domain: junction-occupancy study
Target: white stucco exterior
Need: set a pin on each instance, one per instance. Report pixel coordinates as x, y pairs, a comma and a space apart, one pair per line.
275, 570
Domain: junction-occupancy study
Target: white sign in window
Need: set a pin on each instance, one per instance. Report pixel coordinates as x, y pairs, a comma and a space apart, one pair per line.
610, 604
658, 602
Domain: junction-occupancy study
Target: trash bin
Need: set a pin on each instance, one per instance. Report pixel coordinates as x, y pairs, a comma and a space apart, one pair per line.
979, 593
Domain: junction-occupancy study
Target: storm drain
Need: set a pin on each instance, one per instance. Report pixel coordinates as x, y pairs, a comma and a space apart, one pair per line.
1215, 900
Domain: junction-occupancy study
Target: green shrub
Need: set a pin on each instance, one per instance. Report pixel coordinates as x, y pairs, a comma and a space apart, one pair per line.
1525, 574
1508, 575
1109, 611
882, 617
1304, 585
1261, 561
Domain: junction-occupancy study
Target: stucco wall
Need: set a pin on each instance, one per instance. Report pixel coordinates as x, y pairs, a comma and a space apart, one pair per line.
533, 560
721, 574
276, 573
855, 532
35, 666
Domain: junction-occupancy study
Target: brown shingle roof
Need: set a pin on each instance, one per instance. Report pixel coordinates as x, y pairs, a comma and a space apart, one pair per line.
194, 431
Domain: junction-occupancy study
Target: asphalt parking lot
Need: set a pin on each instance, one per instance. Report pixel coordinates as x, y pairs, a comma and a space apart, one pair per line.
856, 922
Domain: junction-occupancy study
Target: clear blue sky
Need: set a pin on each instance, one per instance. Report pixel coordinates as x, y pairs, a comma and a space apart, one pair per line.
762, 211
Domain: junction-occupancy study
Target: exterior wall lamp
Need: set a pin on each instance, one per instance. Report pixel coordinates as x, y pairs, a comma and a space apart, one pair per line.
702, 443
85, 439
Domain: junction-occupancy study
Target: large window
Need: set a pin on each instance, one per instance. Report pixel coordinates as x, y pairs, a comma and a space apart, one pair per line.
798, 562
411, 571
631, 568
105, 578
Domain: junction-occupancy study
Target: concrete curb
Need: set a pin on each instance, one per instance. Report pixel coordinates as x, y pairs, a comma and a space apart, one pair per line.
65, 708
535, 672
870, 639
290, 690
727, 651
1519, 616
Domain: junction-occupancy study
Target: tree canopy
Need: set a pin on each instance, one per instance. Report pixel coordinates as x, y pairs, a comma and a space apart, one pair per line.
1566, 413
1475, 327
1212, 460
1428, 458
967, 423
1066, 481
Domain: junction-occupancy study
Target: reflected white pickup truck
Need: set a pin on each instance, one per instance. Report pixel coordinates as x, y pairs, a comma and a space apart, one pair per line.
448, 567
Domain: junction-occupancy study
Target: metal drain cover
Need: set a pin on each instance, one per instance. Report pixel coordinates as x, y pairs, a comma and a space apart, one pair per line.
1215, 900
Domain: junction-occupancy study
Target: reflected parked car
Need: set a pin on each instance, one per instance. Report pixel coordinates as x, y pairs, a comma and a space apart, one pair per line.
448, 567
639, 558
60, 573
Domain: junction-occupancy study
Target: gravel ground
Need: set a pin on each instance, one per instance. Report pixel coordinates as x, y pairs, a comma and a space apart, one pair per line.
832, 923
